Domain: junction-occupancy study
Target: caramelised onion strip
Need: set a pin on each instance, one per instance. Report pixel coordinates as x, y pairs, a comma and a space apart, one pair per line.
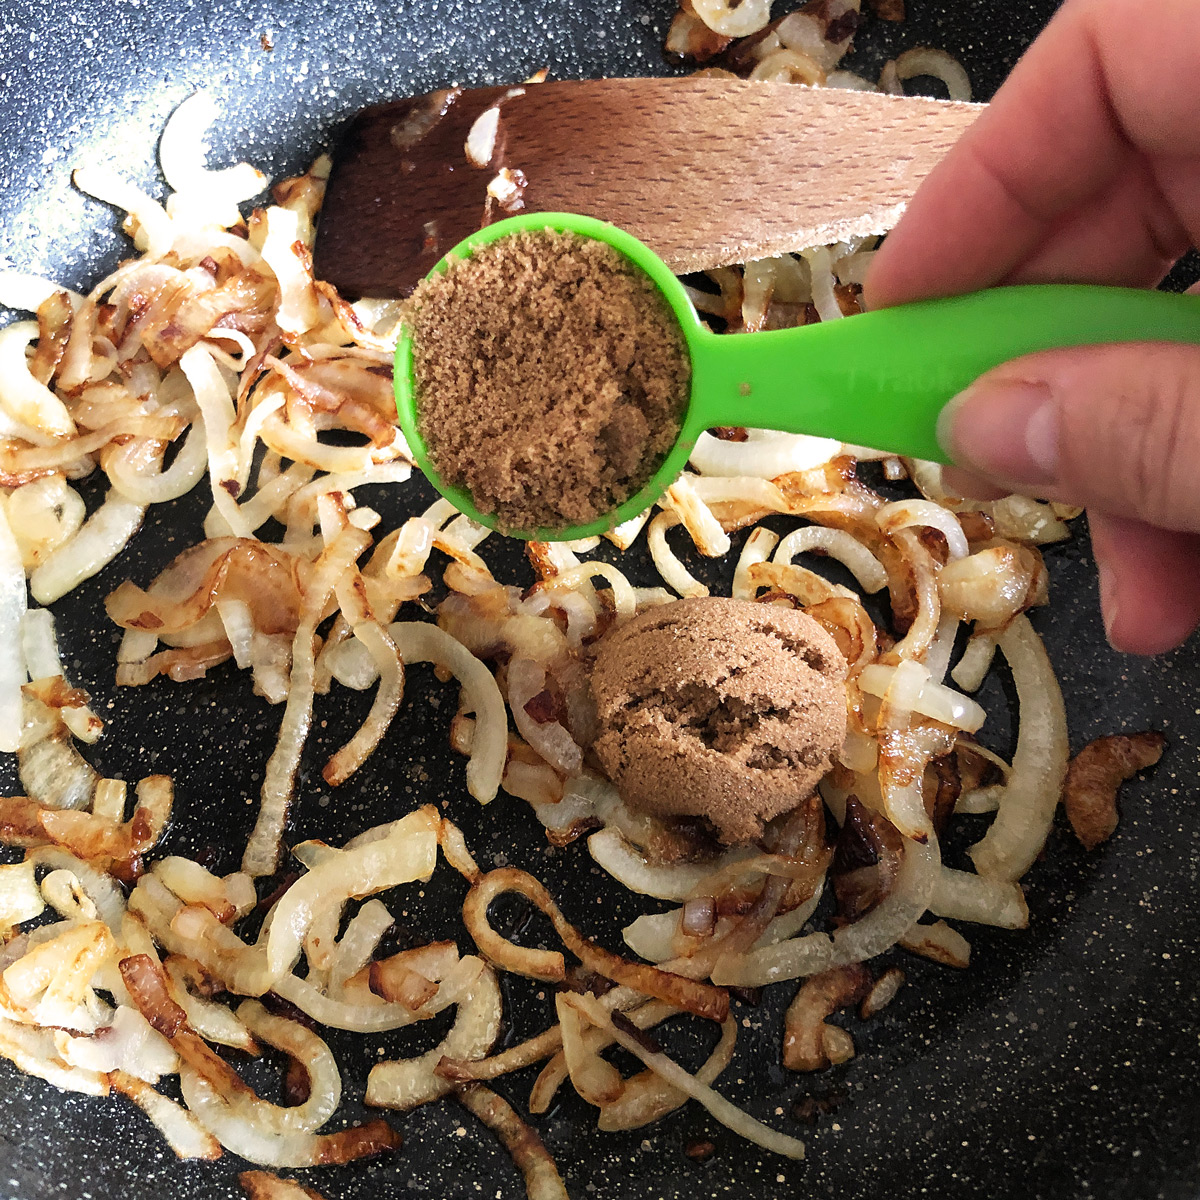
20, 899
100, 887
880, 929
549, 965
279, 1149
623, 597
703, 528
212, 1021
904, 514
542, 1180
263, 1185
182, 1132
672, 1073
838, 544
262, 850
807, 1044
806, 586
24, 400
145, 482
407, 1083
597, 1082
1039, 765
417, 642
534, 1049
940, 943
32, 1051
976, 661
408, 852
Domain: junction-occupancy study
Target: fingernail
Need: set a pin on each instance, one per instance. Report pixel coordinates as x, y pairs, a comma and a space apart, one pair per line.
1005, 429
1108, 598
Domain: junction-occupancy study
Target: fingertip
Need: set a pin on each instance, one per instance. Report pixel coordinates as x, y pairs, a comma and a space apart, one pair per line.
1148, 598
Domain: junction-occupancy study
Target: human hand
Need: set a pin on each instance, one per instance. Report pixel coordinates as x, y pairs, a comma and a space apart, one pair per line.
1086, 168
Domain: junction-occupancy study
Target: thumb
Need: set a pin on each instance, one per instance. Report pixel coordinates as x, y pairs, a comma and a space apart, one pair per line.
1116, 428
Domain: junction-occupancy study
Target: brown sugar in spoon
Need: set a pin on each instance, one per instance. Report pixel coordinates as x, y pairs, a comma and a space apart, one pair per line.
706, 171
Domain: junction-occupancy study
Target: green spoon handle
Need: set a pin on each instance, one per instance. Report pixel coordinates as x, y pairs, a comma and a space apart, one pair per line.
882, 378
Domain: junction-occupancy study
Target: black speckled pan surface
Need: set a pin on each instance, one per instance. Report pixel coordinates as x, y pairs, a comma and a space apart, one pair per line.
1065, 1064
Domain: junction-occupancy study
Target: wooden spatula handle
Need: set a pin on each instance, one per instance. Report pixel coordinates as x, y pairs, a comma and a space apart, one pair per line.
707, 171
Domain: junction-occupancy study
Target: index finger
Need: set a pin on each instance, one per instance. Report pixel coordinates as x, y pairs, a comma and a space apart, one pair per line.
1108, 82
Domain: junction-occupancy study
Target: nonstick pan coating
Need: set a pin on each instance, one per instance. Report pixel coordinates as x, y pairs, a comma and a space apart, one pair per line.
1063, 1064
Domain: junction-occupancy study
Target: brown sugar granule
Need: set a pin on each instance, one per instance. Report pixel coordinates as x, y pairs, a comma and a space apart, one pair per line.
719, 708
552, 378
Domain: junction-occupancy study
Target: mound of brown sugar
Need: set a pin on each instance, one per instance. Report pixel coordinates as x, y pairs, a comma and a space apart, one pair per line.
551, 378
718, 708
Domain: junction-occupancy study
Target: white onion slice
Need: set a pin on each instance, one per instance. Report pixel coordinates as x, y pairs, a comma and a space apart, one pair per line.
20, 899
674, 574
962, 896
757, 550
22, 397
12, 610
839, 544
880, 929
408, 852
526, 680
154, 231
929, 698
103, 536
407, 1083
1027, 805
418, 641
765, 454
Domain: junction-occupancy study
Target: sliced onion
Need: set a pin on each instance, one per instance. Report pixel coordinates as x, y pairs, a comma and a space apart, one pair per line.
748, 17
408, 852
542, 1180
407, 1083
880, 929
102, 537
666, 562
23, 398
526, 680
20, 898
904, 514
671, 1072
421, 642
12, 610
127, 1043
962, 896
150, 484
271, 1149
922, 695
940, 65
839, 544
101, 889
154, 229
1026, 811
181, 1131
757, 550
665, 881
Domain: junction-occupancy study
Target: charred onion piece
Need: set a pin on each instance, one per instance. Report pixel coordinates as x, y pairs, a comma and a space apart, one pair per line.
1095, 775
807, 1044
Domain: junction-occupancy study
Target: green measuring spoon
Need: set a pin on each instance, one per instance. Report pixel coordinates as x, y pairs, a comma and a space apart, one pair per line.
879, 379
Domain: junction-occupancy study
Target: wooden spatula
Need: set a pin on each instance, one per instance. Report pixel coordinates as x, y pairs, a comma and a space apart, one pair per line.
706, 171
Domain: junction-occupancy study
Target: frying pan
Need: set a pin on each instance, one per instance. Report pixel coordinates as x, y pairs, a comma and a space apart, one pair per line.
1064, 1063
